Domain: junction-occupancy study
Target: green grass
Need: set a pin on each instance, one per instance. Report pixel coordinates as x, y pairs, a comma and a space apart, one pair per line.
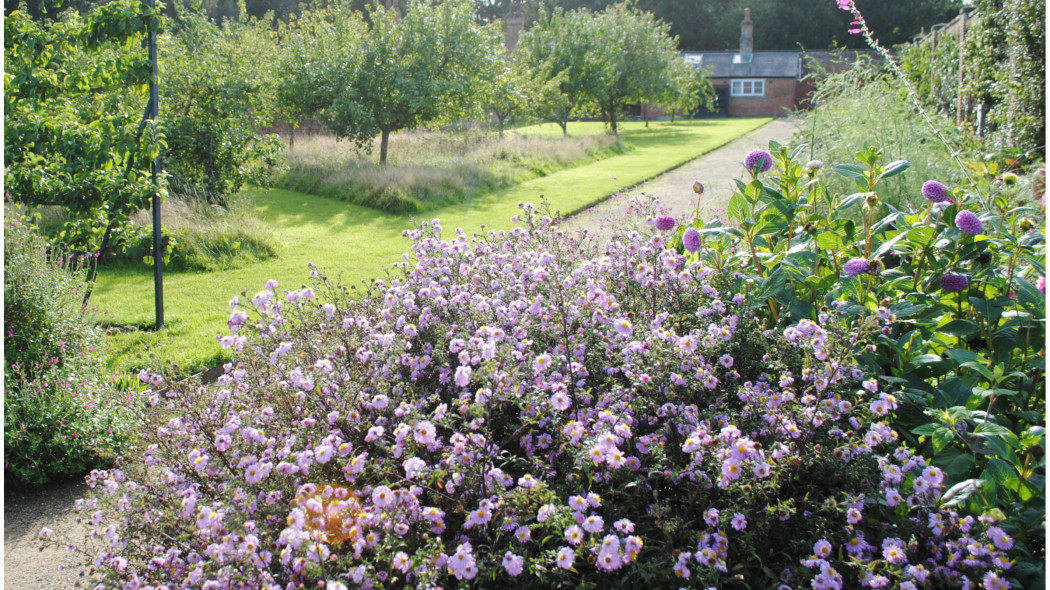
358, 243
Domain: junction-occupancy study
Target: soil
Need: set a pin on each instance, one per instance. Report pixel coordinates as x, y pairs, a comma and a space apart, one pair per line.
28, 567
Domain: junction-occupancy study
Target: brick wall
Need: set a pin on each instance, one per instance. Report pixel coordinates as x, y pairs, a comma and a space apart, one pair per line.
779, 99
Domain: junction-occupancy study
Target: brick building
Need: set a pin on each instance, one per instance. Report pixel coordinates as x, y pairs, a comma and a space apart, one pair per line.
751, 83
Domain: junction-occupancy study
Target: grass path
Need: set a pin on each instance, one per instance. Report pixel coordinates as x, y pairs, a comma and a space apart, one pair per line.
356, 242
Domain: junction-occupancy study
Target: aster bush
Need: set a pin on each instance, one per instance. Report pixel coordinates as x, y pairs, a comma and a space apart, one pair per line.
530, 408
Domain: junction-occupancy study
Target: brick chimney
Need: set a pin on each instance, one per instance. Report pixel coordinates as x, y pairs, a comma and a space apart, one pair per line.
513, 25
747, 39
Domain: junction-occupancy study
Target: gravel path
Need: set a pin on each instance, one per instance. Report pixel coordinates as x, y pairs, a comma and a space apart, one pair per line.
26, 566
716, 170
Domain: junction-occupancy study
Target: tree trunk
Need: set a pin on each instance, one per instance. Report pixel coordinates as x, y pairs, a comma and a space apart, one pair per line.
564, 127
612, 122
384, 141
500, 126
291, 139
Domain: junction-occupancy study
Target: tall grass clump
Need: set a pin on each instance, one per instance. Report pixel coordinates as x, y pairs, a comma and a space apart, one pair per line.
429, 170
197, 236
866, 106
63, 412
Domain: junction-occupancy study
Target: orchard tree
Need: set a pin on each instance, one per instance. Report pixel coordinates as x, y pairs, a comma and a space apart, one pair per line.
509, 91
556, 52
318, 51
424, 67
635, 57
75, 90
217, 88
690, 90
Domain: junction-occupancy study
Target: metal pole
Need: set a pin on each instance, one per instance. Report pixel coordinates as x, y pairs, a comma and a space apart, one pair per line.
158, 242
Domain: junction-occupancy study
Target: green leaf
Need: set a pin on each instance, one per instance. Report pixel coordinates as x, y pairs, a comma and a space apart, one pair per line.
830, 241
955, 463
960, 492
960, 328
1002, 473
737, 208
851, 201
991, 429
894, 168
851, 171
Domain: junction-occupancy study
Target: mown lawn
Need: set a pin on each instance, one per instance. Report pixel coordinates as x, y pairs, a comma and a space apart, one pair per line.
358, 243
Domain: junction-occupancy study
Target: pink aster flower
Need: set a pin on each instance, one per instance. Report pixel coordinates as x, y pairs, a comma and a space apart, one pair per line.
739, 521
1041, 285
593, 523
463, 373
383, 497
566, 557
574, 535
513, 563
425, 433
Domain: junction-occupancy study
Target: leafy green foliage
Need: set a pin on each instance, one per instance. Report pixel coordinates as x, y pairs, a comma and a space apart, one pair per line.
63, 414
398, 72
217, 88
1006, 66
74, 92
600, 63
965, 348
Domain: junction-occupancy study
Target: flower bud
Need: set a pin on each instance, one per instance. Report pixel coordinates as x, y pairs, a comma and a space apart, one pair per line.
698, 188
872, 199
1026, 224
1009, 179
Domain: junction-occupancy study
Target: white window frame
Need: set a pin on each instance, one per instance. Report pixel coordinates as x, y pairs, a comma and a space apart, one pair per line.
752, 87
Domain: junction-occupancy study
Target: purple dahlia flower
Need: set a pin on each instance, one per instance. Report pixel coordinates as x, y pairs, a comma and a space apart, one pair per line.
955, 283
698, 188
691, 239
755, 156
968, 222
935, 192
665, 222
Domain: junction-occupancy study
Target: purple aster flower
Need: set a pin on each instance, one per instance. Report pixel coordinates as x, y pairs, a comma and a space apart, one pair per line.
698, 188
968, 222
935, 192
954, 283
760, 158
691, 239
856, 266
665, 223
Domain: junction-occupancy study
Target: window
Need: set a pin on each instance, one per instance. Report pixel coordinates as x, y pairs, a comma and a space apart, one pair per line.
748, 88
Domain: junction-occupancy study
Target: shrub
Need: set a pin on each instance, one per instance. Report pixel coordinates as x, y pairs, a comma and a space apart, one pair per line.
62, 413
534, 409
